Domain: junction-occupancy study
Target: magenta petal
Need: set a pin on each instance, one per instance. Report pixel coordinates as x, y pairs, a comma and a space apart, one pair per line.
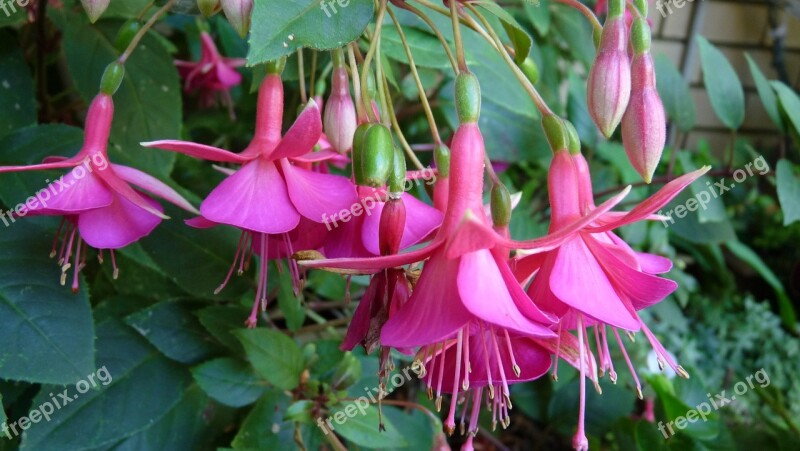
308, 235
653, 264
319, 196
579, 281
195, 150
153, 185
421, 221
374, 264
471, 234
75, 192
49, 163
254, 198
200, 222
345, 240
521, 299
303, 134
227, 76
359, 325
479, 280
118, 224
641, 288
319, 156
434, 311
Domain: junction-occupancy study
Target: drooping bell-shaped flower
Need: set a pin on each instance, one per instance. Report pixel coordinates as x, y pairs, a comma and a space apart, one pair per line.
340, 112
593, 278
609, 85
644, 125
238, 13
99, 205
212, 76
272, 195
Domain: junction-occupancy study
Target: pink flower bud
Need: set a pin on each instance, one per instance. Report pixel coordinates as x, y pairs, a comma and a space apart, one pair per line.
95, 8
644, 129
609, 85
340, 113
392, 225
238, 14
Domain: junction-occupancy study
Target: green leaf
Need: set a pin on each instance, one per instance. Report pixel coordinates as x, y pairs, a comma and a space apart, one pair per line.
576, 32
578, 111
766, 93
140, 388
229, 381
675, 94
191, 425
3, 417
197, 260
518, 36
788, 191
790, 103
275, 356
316, 24
147, 104
174, 331
425, 47
291, 306
46, 331
748, 255
360, 426
711, 210
722, 85
221, 321
687, 225
677, 400
129, 9
17, 97
539, 14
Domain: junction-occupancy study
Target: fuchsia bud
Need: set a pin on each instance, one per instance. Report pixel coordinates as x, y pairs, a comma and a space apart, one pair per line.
238, 14
340, 112
95, 8
393, 223
609, 86
644, 130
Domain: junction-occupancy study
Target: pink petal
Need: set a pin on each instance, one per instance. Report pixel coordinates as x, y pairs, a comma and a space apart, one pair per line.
421, 221
359, 325
118, 224
555, 239
48, 164
653, 264
122, 188
655, 202
200, 222
302, 136
319, 156
319, 196
345, 240
75, 192
525, 267
195, 150
579, 281
521, 299
434, 311
254, 198
479, 280
227, 76
153, 185
471, 234
308, 235
374, 264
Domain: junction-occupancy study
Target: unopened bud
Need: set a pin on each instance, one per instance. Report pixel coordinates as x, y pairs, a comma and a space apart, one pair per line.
238, 13
644, 130
556, 132
640, 36
609, 86
441, 156
530, 69
468, 98
377, 154
392, 225
501, 205
126, 34
276, 66
112, 78
94, 8
340, 120
397, 181
574, 138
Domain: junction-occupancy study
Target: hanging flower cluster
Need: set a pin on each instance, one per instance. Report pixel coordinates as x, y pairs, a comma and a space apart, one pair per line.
479, 310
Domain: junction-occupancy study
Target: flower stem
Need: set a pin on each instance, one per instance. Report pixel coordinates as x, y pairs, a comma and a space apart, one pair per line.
404, 5
145, 28
526, 84
422, 96
583, 9
462, 63
313, 80
351, 57
396, 126
301, 74
368, 59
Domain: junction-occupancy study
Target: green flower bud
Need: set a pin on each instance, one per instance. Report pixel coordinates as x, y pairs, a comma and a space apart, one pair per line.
441, 155
501, 205
468, 97
358, 150
126, 33
377, 156
397, 181
530, 69
112, 78
276, 66
556, 132
574, 139
209, 7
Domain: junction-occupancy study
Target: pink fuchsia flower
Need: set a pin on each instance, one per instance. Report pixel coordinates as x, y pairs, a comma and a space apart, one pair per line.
214, 75
609, 85
271, 195
644, 125
100, 207
594, 278
340, 112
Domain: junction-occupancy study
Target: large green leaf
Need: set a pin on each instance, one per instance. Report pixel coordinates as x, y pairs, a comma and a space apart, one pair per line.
722, 85
17, 98
539, 14
275, 356
318, 24
766, 93
675, 94
174, 330
191, 425
573, 28
361, 426
46, 331
229, 381
221, 321
520, 39
425, 47
790, 102
147, 104
712, 208
139, 388
788, 191
279, 434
